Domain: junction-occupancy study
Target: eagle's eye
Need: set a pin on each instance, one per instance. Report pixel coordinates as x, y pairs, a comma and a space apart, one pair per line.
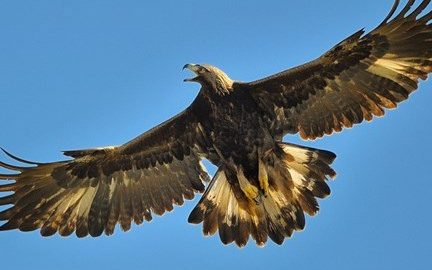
203, 70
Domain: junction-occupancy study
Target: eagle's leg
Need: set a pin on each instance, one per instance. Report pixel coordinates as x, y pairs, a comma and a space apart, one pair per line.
251, 191
254, 192
263, 173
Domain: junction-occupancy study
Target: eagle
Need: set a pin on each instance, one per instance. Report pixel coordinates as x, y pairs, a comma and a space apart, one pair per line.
263, 186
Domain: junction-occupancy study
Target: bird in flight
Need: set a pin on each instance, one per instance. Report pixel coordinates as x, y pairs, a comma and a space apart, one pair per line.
263, 186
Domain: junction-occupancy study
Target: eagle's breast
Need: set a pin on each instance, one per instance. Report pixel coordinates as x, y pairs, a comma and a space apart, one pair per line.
234, 124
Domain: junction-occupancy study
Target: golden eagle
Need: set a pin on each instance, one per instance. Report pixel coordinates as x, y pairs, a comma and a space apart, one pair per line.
263, 186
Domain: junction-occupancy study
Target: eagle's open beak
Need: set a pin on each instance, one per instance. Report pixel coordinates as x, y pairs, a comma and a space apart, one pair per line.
194, 68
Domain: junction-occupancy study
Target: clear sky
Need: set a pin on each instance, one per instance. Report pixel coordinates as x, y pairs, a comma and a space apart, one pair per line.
79, 74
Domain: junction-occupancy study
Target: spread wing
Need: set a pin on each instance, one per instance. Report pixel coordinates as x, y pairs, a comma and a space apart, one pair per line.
102, 187
355, 80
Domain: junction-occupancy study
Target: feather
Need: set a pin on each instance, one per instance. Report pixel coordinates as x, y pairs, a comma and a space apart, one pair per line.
20, 159
381, 68
101, 187
392, 11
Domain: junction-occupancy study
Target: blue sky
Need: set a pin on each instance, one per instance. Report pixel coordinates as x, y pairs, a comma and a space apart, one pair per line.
78, 74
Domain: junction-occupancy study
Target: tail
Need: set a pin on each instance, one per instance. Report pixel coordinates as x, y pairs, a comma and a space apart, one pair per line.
295, 176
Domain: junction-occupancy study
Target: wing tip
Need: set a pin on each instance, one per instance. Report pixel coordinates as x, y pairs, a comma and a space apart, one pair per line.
20, 159
390, 14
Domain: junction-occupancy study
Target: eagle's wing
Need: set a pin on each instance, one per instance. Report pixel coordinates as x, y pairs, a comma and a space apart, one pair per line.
102, 187
355, 80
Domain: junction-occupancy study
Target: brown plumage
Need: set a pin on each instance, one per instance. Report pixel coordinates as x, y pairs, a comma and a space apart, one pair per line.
263, 186
354, 81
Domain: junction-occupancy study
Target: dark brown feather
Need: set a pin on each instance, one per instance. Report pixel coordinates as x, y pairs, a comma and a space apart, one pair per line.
101, 187
355, 80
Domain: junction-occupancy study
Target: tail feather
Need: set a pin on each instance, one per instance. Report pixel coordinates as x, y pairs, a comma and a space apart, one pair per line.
220, 209
296, 177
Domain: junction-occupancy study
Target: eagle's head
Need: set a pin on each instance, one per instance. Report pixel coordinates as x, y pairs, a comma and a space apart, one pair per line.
210, 76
